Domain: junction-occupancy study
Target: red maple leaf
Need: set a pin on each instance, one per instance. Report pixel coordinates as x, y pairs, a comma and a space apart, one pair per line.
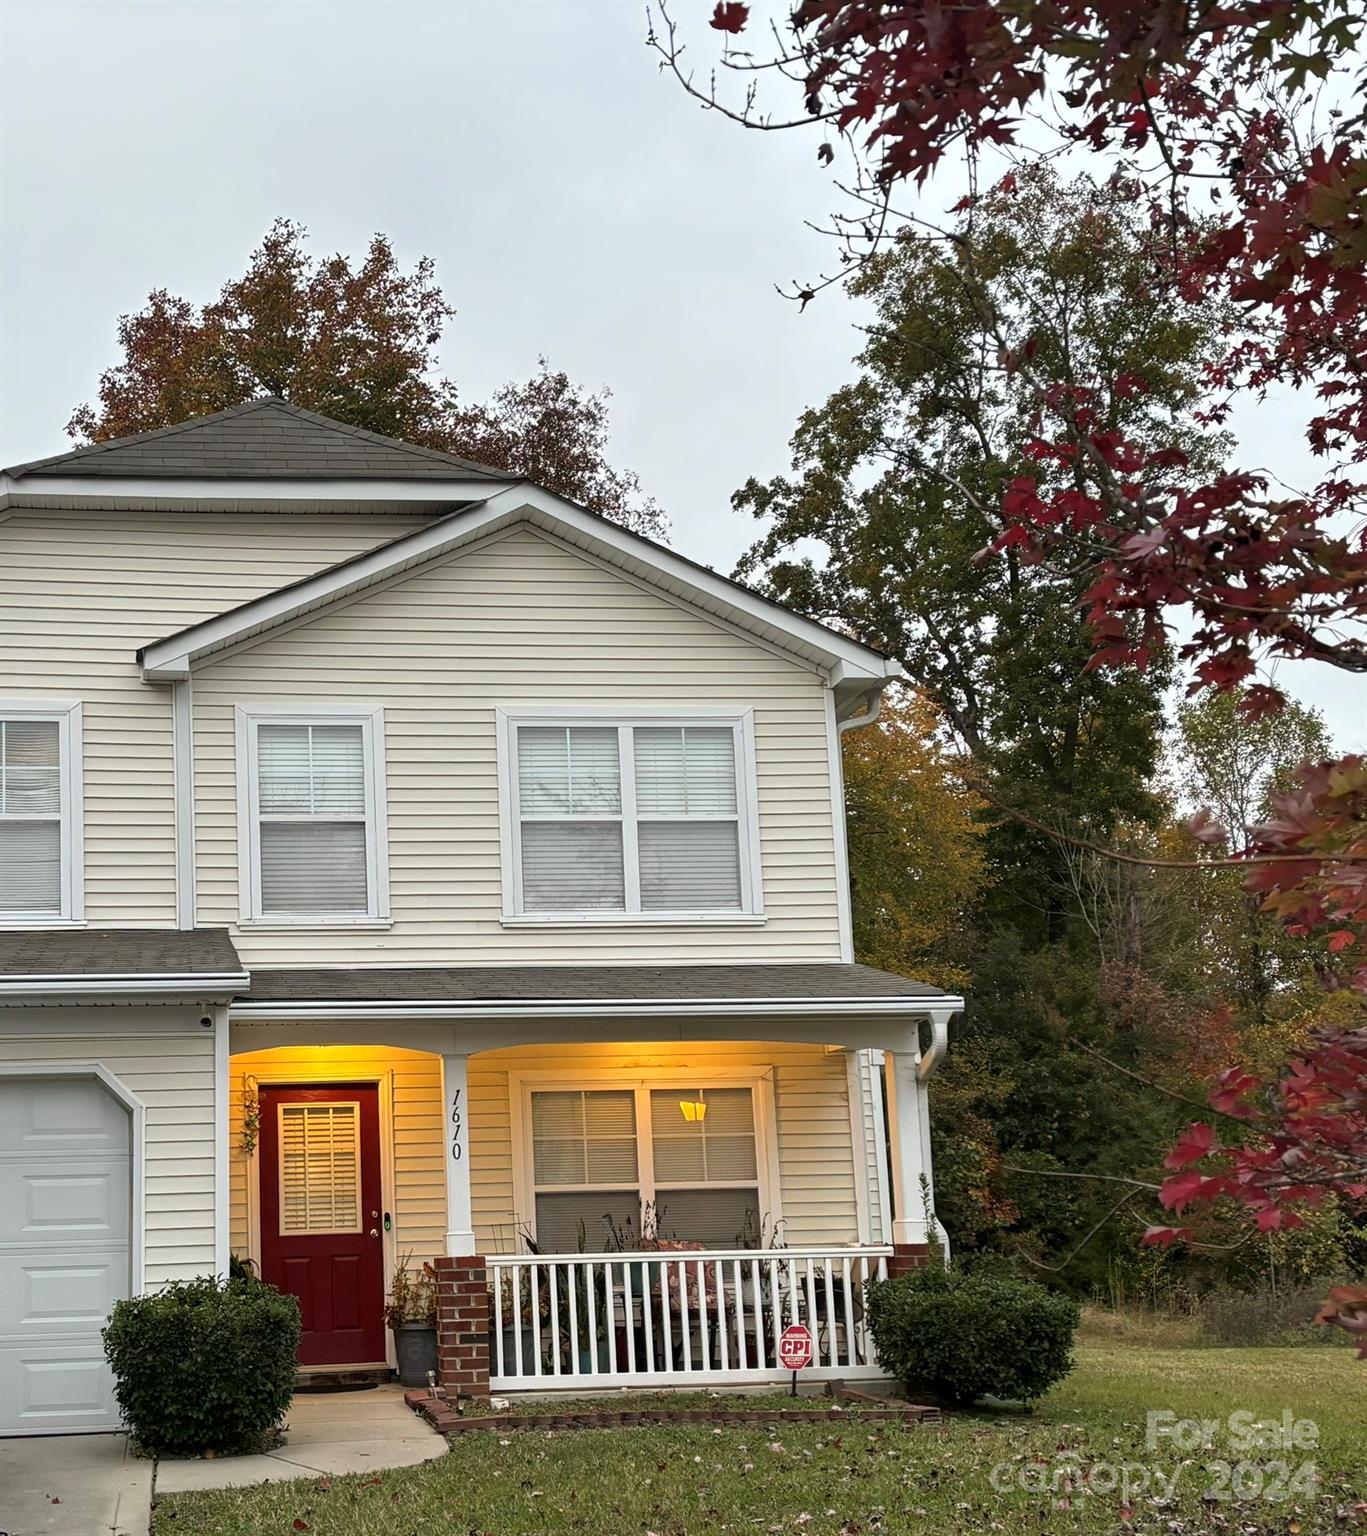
730, 16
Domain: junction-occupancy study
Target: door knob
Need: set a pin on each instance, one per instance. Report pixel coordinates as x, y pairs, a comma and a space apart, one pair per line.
374, 1232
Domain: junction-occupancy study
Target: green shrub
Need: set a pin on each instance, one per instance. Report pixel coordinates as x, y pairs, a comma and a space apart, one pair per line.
205, 1365
965, 1336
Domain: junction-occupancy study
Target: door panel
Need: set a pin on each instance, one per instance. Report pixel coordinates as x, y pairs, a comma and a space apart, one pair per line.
65, 1250
321, 1217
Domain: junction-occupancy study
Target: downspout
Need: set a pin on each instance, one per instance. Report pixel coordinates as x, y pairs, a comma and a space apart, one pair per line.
867, 717
929, 1060
939, 1044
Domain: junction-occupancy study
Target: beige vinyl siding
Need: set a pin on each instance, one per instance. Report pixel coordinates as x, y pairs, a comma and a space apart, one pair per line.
811, 1111
410, 1086
79, 593
163, 1057
521, 619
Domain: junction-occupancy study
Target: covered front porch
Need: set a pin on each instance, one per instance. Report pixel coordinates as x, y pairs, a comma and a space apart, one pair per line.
611, 1195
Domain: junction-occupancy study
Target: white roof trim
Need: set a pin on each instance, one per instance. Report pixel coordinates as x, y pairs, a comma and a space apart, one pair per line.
483, 1008
851, 666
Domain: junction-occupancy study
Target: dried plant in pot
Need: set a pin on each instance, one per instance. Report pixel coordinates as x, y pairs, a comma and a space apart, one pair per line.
411, 1312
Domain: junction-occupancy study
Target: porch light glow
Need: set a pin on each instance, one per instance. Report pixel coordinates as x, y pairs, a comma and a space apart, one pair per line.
692, 1109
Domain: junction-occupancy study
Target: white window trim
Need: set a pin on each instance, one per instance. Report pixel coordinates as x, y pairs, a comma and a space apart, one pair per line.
371, 720
741, 721
521, 1086
67, 714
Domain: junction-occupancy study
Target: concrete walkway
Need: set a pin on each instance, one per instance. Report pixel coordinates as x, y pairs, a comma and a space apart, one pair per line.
326, 1432
73, 1485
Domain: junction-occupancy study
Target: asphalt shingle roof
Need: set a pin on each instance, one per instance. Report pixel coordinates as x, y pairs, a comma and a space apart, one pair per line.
266, 438
130, 952
587, 984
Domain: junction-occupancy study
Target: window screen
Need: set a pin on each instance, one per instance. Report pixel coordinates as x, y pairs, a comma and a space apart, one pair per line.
665, 839
30, 817
585, 1168
313, 834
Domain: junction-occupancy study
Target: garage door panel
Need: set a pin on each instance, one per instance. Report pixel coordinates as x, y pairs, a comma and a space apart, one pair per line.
75, 1201
47, 1115
46, 1293
54, 1388
65, 1250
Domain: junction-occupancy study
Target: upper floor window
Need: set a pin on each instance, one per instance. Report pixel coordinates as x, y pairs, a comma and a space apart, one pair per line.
651, 817
40, 814
312, 815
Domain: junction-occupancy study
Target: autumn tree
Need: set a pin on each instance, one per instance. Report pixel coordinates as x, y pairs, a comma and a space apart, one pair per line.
896, 484
915, 844
1241, 131
358, 342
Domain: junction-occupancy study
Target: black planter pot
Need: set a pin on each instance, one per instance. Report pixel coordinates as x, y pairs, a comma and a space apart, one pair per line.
415, 1348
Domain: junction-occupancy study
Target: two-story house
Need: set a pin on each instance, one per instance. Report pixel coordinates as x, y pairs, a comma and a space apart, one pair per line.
397, 859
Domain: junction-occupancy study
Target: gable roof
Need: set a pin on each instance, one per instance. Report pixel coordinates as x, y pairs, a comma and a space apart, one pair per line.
265, 439
854, 669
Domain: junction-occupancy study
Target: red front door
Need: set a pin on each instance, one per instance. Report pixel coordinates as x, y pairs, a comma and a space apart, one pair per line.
320, 1217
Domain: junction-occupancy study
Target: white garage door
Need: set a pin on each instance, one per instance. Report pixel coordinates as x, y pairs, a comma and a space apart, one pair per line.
65, 1187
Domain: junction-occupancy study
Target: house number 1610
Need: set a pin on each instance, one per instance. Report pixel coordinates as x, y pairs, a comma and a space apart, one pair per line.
457, 1120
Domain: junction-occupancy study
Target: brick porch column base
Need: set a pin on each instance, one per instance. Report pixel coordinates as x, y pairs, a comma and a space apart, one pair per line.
906, 1257
463, 1325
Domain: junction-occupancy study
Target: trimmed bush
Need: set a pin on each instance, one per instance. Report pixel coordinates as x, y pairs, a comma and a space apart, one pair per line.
966, 1336
205, 1365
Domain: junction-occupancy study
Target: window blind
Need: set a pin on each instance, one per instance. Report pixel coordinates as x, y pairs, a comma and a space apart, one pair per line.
719, 1148
706, 1171
30, 816
580, 1140
688, 864
584, 1137
320, 1168
570, 802
312, 832
681, 802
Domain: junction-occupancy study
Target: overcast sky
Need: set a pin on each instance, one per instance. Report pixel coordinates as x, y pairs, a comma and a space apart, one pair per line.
576, 203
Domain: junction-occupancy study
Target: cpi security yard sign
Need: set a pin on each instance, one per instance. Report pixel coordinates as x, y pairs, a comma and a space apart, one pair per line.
795, 1349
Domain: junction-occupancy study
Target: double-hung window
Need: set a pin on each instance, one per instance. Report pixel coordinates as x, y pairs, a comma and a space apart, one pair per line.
651, 817
312, 836
40, 814
677, 1159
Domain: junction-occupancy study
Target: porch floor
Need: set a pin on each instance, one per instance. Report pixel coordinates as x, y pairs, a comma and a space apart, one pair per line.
326, 1433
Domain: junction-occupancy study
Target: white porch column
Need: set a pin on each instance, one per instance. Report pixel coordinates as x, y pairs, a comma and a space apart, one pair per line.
909, 1144
460, 1222
908, 1075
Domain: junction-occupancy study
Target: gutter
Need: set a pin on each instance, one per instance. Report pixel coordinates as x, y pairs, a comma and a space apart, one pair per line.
227, 983
484, 1008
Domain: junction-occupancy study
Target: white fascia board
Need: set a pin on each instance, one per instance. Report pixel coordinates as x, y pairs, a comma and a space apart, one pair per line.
100, 491
172, 657
778, 1007
223, 985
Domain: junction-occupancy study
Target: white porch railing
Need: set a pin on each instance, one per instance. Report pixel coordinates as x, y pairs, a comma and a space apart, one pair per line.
700, 1319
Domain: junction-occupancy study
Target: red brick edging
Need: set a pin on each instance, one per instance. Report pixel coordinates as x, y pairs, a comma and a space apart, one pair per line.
447, 1421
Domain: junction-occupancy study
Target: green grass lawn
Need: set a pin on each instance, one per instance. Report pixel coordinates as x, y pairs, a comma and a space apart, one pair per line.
860, 1478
